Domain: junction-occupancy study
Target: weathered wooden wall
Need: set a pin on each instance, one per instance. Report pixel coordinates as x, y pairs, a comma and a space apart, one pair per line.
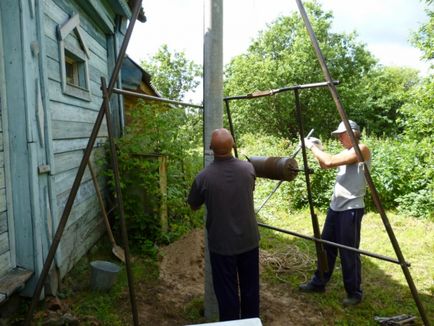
7, 236
4, 234
5, 253
44, 128
72, 120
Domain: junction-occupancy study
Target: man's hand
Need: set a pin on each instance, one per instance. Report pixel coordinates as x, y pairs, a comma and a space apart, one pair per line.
309, 142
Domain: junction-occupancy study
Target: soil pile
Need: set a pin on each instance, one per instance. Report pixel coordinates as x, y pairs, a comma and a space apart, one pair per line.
182, 280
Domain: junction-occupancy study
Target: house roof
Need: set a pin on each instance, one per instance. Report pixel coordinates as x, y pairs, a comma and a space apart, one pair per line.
133, 75
122, 7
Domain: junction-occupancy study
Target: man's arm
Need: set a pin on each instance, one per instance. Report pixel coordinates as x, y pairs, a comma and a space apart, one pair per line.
194, 199
195, 208
328, 161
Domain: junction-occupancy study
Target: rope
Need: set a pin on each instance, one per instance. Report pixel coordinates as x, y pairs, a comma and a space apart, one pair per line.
287, 260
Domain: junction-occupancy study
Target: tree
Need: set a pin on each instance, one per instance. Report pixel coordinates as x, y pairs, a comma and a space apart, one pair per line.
172, 73
383, 92
418, 114
424, 38
174, 76
282, 55
159, 130
417, 119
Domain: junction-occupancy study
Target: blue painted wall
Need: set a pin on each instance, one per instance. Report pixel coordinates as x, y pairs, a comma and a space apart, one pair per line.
46, 129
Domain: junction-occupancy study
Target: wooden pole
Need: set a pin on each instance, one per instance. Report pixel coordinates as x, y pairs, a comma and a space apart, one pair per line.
368, 178
163, 191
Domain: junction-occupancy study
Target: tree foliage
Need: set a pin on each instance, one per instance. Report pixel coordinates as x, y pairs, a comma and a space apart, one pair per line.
418, 113
157, 131
402, 172
282, 55
172, 73
424, 38
160, 130
383, 92
394, 106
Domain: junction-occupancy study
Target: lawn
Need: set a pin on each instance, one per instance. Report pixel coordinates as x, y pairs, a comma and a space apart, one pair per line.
386, 292
287, 261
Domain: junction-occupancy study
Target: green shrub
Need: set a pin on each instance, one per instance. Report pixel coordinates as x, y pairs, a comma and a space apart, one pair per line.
402, 172
155, 131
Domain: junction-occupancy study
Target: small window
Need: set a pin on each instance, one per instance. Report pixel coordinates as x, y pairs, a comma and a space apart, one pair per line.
73, 60
75, 71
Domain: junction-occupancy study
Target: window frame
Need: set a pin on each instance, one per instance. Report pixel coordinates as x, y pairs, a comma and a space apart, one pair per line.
77, 56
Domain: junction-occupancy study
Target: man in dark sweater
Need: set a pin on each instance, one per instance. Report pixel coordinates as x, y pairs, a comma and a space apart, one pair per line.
226, 188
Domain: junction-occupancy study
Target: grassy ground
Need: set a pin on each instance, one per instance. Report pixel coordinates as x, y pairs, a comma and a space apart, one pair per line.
385, 287
89, 307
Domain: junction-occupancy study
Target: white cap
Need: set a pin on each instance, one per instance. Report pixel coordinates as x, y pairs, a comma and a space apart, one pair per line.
342, 128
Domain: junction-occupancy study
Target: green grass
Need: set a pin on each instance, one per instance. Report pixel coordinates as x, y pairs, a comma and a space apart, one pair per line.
386, 291
194, 310
110, 308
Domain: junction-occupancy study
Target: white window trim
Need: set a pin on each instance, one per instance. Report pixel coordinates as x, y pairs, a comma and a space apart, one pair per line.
73, 25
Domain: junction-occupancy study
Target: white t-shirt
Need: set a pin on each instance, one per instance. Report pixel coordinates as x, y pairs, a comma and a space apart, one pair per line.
350, 187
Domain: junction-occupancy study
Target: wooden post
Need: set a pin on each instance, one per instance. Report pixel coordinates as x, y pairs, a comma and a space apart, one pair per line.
163, 190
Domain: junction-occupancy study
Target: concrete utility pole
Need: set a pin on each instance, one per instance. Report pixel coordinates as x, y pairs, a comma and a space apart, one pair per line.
213, 113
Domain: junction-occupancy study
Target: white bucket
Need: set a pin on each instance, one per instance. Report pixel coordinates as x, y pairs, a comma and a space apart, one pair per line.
103, 275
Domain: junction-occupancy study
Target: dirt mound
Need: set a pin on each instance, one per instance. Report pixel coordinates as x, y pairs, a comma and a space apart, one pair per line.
182, 279
182, 266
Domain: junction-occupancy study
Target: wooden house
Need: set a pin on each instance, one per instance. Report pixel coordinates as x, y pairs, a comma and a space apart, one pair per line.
137, 80
52, 56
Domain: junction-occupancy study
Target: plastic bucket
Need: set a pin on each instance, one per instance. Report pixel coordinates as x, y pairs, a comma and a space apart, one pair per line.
103, 275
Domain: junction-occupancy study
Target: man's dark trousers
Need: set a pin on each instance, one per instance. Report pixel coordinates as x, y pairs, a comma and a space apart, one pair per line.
226, 272
343, 228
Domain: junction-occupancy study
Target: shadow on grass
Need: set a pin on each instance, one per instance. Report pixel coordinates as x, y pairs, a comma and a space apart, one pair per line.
386, 292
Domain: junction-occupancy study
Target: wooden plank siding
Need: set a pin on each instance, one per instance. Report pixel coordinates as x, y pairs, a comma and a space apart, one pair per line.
72, 121
47, 113
4, 242
5, 255
63, 181
7, 247
72, 129
3, 222
85, 233
5, 262
71, 160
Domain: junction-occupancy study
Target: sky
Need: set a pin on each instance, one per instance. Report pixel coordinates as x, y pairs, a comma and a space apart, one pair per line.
384, 26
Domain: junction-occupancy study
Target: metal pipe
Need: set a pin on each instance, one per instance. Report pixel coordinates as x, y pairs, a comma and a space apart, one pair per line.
368, 178
231, 126
275, 168
321, 254
298, 148
155, 98
120, 202
278, 90
334, 244
269, 196
77, 181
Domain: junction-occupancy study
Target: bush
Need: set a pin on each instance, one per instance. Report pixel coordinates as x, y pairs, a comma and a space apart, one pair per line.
156, 131
402, 172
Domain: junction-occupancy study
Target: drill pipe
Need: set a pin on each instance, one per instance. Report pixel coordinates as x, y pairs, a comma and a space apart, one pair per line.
276, 168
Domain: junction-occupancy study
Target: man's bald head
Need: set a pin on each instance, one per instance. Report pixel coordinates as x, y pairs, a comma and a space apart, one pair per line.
221, 142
